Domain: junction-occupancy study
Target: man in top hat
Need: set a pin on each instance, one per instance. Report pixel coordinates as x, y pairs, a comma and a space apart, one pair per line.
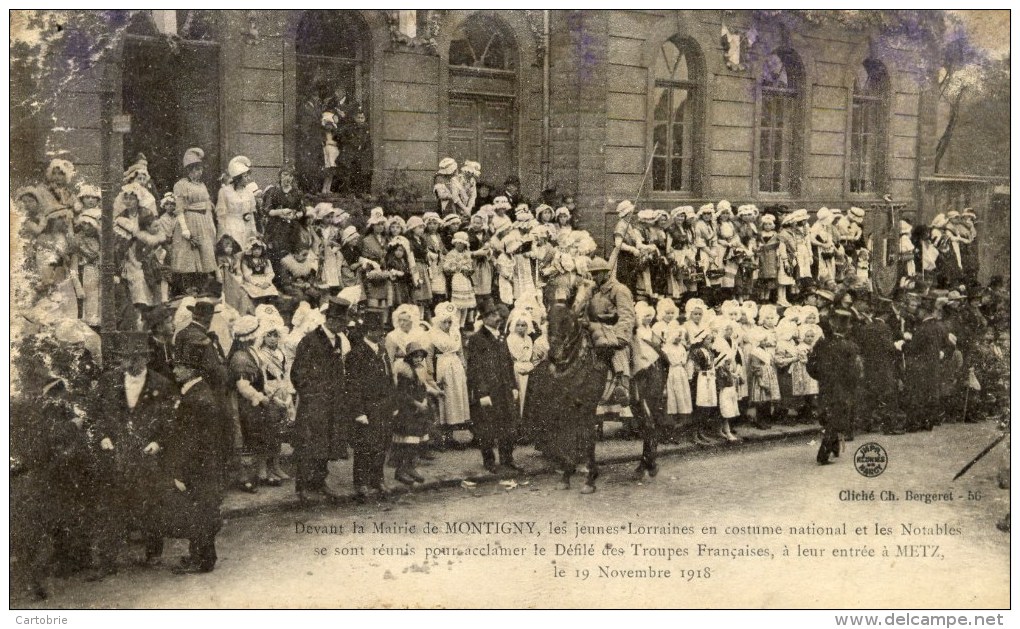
196, 453
492, 389
369, 404
318, 374
133, 420
197, 333
836, 364
611, 319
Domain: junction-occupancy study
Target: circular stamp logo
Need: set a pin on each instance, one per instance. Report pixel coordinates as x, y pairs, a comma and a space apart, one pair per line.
870, 460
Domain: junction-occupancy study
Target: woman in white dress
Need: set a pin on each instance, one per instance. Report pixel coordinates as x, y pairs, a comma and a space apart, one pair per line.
451, 371
235, 205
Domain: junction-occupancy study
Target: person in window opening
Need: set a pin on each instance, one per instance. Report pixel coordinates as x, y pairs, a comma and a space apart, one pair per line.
354, 164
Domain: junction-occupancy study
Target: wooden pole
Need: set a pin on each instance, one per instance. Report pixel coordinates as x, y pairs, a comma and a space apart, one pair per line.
615, 254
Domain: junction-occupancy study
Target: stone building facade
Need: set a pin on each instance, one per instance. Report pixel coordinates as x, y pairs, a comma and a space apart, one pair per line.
801, 115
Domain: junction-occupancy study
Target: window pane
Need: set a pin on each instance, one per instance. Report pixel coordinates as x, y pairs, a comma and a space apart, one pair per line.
658, 173
661, 104
678, 175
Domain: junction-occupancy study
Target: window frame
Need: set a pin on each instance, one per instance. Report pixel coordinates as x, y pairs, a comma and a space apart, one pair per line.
797, 123
880, 148
696, 85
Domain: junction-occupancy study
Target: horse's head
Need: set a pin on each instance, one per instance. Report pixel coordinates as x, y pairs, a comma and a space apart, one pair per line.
565, 330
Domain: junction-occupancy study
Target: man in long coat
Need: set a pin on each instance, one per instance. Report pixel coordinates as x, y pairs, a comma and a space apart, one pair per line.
318, 376
135, 411
923, 355
876, 341
492, 390
370, 404
196, 453
836, 364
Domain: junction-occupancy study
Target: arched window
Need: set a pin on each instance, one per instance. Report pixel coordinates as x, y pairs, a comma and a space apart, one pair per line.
868, 127
482, 96
781, 89
330, 55
481, 43
676, 125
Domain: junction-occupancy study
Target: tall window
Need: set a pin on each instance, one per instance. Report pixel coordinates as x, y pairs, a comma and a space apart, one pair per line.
675, 129
867, 127
778, 124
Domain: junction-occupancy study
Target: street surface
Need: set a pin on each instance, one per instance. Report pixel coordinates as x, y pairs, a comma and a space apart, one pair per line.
954, 557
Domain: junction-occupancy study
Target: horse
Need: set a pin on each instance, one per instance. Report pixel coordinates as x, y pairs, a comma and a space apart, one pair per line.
563, 392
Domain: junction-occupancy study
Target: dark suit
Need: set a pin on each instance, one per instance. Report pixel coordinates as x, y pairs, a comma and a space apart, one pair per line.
491, 375
133, 484
836, 364
196, 450
213, 369
370, 393
880, 357
320, 432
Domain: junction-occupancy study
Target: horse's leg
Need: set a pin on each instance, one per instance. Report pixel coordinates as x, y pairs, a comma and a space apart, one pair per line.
568, 468
593, 470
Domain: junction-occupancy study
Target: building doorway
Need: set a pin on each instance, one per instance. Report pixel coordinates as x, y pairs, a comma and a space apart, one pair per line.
482, 98
330, 51
171, 91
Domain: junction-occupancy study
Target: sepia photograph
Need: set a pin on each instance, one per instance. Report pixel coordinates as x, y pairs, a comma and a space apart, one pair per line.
681, 309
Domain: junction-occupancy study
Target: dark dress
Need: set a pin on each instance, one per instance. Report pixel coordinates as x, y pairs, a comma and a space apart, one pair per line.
261, 424
282, 234
411, 423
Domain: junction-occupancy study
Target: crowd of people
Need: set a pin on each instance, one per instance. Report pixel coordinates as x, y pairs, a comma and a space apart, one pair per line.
273, 316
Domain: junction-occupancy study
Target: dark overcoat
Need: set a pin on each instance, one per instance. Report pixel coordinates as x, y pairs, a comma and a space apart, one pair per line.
318, 376
370, 392
491, 374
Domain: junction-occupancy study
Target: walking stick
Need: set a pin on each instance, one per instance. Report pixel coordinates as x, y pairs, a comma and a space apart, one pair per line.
980, 456
615, 255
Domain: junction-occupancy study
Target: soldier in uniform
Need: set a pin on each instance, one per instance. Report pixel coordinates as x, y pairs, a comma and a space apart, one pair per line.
135, 409
492, 390
318, 376
370, 404
837, 366
611, 320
